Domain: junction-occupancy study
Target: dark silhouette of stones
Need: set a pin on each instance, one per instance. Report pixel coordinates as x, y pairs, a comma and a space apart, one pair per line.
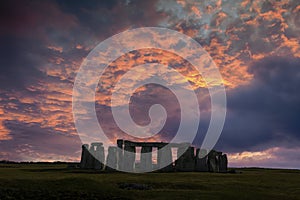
97, 151
146, 158
123, 157
129, 156
92, 158
120, 154
223, 162
84, 156
112, 159
164, 159
213, 161
185, 162
201, 160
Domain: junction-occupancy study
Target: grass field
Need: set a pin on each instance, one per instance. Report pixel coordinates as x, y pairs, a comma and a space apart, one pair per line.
37, 181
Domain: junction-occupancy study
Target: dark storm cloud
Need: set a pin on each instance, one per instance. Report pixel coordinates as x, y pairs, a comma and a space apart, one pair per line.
105, 18
42, 46
23, 60
30, 27
76, 6
27, 31
20, 59
266, 112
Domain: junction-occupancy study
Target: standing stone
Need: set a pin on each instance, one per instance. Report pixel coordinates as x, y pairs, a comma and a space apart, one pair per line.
84, 156
179, 163
201, 153
97, 151
146, 158
201, 160
223, 163
120, 156
112, 159
129, 156
164, 159
92, 160
212, 164
89, 159
213, 161
186, 161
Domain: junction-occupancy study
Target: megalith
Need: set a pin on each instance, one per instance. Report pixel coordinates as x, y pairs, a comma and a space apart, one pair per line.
146, 158
223, 162
185, 159
97, 151
84, 156
201, 160
120, 152
213, 161
164, 159
112, 159
129, 156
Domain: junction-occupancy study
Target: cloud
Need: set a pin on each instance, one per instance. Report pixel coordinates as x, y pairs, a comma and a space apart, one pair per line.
255, 44
19, 62
30, 142
265, 113
236, 33
42, 47
269, 158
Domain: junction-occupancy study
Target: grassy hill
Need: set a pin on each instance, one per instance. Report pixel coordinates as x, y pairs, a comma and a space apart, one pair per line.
55, 181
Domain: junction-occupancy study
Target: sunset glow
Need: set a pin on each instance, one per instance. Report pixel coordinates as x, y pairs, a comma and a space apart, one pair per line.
254, 44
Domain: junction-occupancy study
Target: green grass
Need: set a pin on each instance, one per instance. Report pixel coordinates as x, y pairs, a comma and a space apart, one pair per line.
37, 181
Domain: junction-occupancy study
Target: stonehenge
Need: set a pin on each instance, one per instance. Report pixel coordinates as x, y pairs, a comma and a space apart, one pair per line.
201, 160
185, 162
112, 159
93, 157
128, 156
164, 159
84, 156
123, 157
146, 158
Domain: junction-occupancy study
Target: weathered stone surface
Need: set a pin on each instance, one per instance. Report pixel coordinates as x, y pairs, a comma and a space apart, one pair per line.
146, 158
97, 151
186, 161
201, 160
164, 159
120, 154
98, 155
129, 157
201, 153
84, 156
112, 159
213, 161
90, 160
223, 163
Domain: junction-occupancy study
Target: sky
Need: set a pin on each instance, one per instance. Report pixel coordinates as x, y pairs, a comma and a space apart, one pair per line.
254, 44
